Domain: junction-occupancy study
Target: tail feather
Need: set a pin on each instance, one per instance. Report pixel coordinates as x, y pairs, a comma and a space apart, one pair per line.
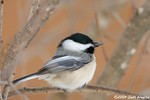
25, 78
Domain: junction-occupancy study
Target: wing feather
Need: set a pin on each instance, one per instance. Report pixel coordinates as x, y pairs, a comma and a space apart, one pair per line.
63, 63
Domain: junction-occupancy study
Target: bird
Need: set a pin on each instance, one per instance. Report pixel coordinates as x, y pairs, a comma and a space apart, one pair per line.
72, 66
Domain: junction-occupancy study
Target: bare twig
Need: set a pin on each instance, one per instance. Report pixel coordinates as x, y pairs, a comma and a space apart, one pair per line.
125, 49
1, 22
1, 19
3, 55
146, 78
138, 67
101, 37
34, 7
119, 19
23, 96
97, 89
23, 38
3, 82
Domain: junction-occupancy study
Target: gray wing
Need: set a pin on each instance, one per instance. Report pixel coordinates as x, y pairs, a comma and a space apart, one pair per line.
63, 63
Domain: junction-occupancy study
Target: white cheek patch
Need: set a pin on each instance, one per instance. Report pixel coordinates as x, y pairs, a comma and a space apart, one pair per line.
75, 46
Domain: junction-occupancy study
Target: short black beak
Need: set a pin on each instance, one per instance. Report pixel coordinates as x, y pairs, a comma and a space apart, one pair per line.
96, 44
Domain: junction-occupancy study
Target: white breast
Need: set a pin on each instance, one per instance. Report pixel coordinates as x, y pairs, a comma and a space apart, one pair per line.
72, 80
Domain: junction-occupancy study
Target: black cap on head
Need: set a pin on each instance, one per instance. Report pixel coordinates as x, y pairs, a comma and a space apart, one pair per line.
80, 38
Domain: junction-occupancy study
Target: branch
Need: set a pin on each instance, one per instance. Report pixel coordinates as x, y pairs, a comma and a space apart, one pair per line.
34, 7
1, 19
97, 89
138, 67
1, 22
126, 48
24, 37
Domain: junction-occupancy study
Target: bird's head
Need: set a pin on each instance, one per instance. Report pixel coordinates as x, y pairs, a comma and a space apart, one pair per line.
78, 42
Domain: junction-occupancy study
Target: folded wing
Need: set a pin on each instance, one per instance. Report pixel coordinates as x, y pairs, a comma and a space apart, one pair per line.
63, 63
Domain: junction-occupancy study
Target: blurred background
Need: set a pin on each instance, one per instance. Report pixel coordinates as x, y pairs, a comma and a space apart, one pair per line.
103, 20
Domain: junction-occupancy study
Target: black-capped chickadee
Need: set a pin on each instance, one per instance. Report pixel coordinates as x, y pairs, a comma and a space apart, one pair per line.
72, 66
